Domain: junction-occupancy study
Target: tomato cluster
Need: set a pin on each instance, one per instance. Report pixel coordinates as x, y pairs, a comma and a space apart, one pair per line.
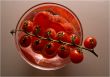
52, 35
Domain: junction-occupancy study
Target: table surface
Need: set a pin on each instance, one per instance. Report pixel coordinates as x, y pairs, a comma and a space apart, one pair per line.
94, 19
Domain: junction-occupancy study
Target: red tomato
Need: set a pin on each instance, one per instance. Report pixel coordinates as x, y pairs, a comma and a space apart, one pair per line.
38, 45
63, 51
50, 33
73, 38
76, 56
50, 50
62, 36
25, 41
90, 42
37, 31
28, 26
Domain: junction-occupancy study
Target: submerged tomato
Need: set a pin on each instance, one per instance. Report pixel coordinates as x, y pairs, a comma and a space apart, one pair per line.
42, 18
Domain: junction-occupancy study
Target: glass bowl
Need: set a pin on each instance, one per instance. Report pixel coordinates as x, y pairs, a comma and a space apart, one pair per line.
37, 60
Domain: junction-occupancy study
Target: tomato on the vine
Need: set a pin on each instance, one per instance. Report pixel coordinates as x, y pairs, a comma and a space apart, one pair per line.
25, 41
73, 38
27, 26
90, 42
38, 45
50, 33
61, 35
50, 50
76, 56
63, 51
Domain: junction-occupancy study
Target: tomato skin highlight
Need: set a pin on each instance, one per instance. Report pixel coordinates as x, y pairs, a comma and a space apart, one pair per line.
90, 42
76, 56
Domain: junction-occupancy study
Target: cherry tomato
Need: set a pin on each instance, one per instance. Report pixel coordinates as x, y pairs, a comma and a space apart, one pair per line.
38, 45
27, 26
63, 51
76, 56
90, 42
25, 41
73, 38
37, 31
62, 36
50, 33
50, 50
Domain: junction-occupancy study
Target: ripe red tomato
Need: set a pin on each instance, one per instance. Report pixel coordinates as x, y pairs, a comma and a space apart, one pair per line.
38, 45
27, 26
63, 51
50, 33
73, 38
62, 36
76, 56
37, 30
50, 50
90, 42
25, 41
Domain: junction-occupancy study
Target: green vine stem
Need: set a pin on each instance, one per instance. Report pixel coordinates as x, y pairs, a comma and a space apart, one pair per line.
58, 41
